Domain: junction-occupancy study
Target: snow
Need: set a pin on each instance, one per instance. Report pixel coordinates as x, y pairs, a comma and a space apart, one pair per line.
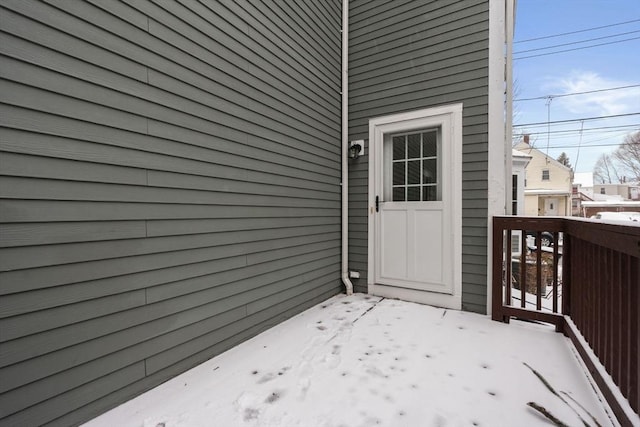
531, 300
361, 360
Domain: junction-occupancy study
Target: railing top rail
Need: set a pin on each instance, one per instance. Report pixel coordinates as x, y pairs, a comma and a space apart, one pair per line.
619, 237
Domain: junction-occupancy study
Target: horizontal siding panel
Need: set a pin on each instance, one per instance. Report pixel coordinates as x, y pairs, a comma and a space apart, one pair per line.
54, 210
434, 79
26, 234
266, 272
53, 189
14, 164
173, 227
124, 12
255, 253
466, 48
27, 96
226, 166
449, 86
152, 50
306, 30
190, 343
175, 281
454, 62
24, 26
217, 30
56, 317
269, 38
42, 256
390, 106
415, 23
155, 321
43, 413
77, 99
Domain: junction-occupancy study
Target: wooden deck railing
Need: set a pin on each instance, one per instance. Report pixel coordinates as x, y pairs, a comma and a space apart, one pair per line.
587, 284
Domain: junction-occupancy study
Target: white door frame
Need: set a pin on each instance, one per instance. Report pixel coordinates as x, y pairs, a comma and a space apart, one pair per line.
449, 117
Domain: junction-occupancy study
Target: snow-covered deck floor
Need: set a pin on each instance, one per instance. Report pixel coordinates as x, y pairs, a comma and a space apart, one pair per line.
364, 361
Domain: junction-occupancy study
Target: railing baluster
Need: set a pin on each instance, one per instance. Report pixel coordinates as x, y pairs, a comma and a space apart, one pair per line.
523, 268
616, 321
634, 333
538, 270
554, 293
508, 281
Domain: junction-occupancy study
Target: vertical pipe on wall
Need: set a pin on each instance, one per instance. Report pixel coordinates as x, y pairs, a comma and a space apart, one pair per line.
345, 148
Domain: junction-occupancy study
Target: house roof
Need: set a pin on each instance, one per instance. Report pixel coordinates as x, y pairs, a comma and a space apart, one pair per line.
525, 148
547, 192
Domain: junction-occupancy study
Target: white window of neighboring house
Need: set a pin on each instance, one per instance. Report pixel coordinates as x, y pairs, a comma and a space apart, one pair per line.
602, 191
545, 174
514, 195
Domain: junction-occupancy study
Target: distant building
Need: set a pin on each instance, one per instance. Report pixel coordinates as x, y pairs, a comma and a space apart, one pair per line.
628, 191
547, 185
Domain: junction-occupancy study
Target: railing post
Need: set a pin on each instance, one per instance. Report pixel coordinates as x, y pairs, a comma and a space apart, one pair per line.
566, 274
496, 285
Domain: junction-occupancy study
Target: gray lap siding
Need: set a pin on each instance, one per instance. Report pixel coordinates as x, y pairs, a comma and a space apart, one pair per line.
169, 187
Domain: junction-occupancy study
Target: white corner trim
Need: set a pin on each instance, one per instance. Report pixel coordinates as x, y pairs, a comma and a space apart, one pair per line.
498, 157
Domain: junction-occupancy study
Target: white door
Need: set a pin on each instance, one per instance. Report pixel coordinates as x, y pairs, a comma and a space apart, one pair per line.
415, 211
551, 206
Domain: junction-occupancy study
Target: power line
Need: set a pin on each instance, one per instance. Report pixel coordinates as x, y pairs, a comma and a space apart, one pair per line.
584, 146
577, 42
577, 120
576, 32
577, 48
620, 127
576, 93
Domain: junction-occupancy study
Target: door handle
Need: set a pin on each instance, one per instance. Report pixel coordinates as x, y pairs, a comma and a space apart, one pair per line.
377, 203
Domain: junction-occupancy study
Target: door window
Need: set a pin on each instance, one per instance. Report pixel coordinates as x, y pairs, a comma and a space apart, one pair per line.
414, 166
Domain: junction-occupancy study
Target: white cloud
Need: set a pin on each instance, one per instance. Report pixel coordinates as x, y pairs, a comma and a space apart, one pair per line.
594, 104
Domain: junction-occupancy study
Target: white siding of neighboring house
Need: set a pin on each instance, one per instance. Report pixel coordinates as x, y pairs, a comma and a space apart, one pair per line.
558, 186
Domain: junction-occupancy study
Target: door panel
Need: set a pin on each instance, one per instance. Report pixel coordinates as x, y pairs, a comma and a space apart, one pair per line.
427, 247
413, 215
415, 169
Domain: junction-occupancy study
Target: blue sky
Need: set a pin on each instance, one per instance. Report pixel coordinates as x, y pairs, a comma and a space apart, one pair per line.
581, 70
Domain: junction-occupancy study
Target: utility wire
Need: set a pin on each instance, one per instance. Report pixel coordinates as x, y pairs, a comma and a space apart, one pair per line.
577, 48
544, 124
599, 129
576, 32
576, 93
577, 120
577, 42
585, 146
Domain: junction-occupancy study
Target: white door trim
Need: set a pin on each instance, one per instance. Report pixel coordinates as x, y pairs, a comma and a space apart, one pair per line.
451, 117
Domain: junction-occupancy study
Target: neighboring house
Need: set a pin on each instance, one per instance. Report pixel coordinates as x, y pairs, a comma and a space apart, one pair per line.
581, 191
577, 199
171, 178
626, 191
591, 208
548, 183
